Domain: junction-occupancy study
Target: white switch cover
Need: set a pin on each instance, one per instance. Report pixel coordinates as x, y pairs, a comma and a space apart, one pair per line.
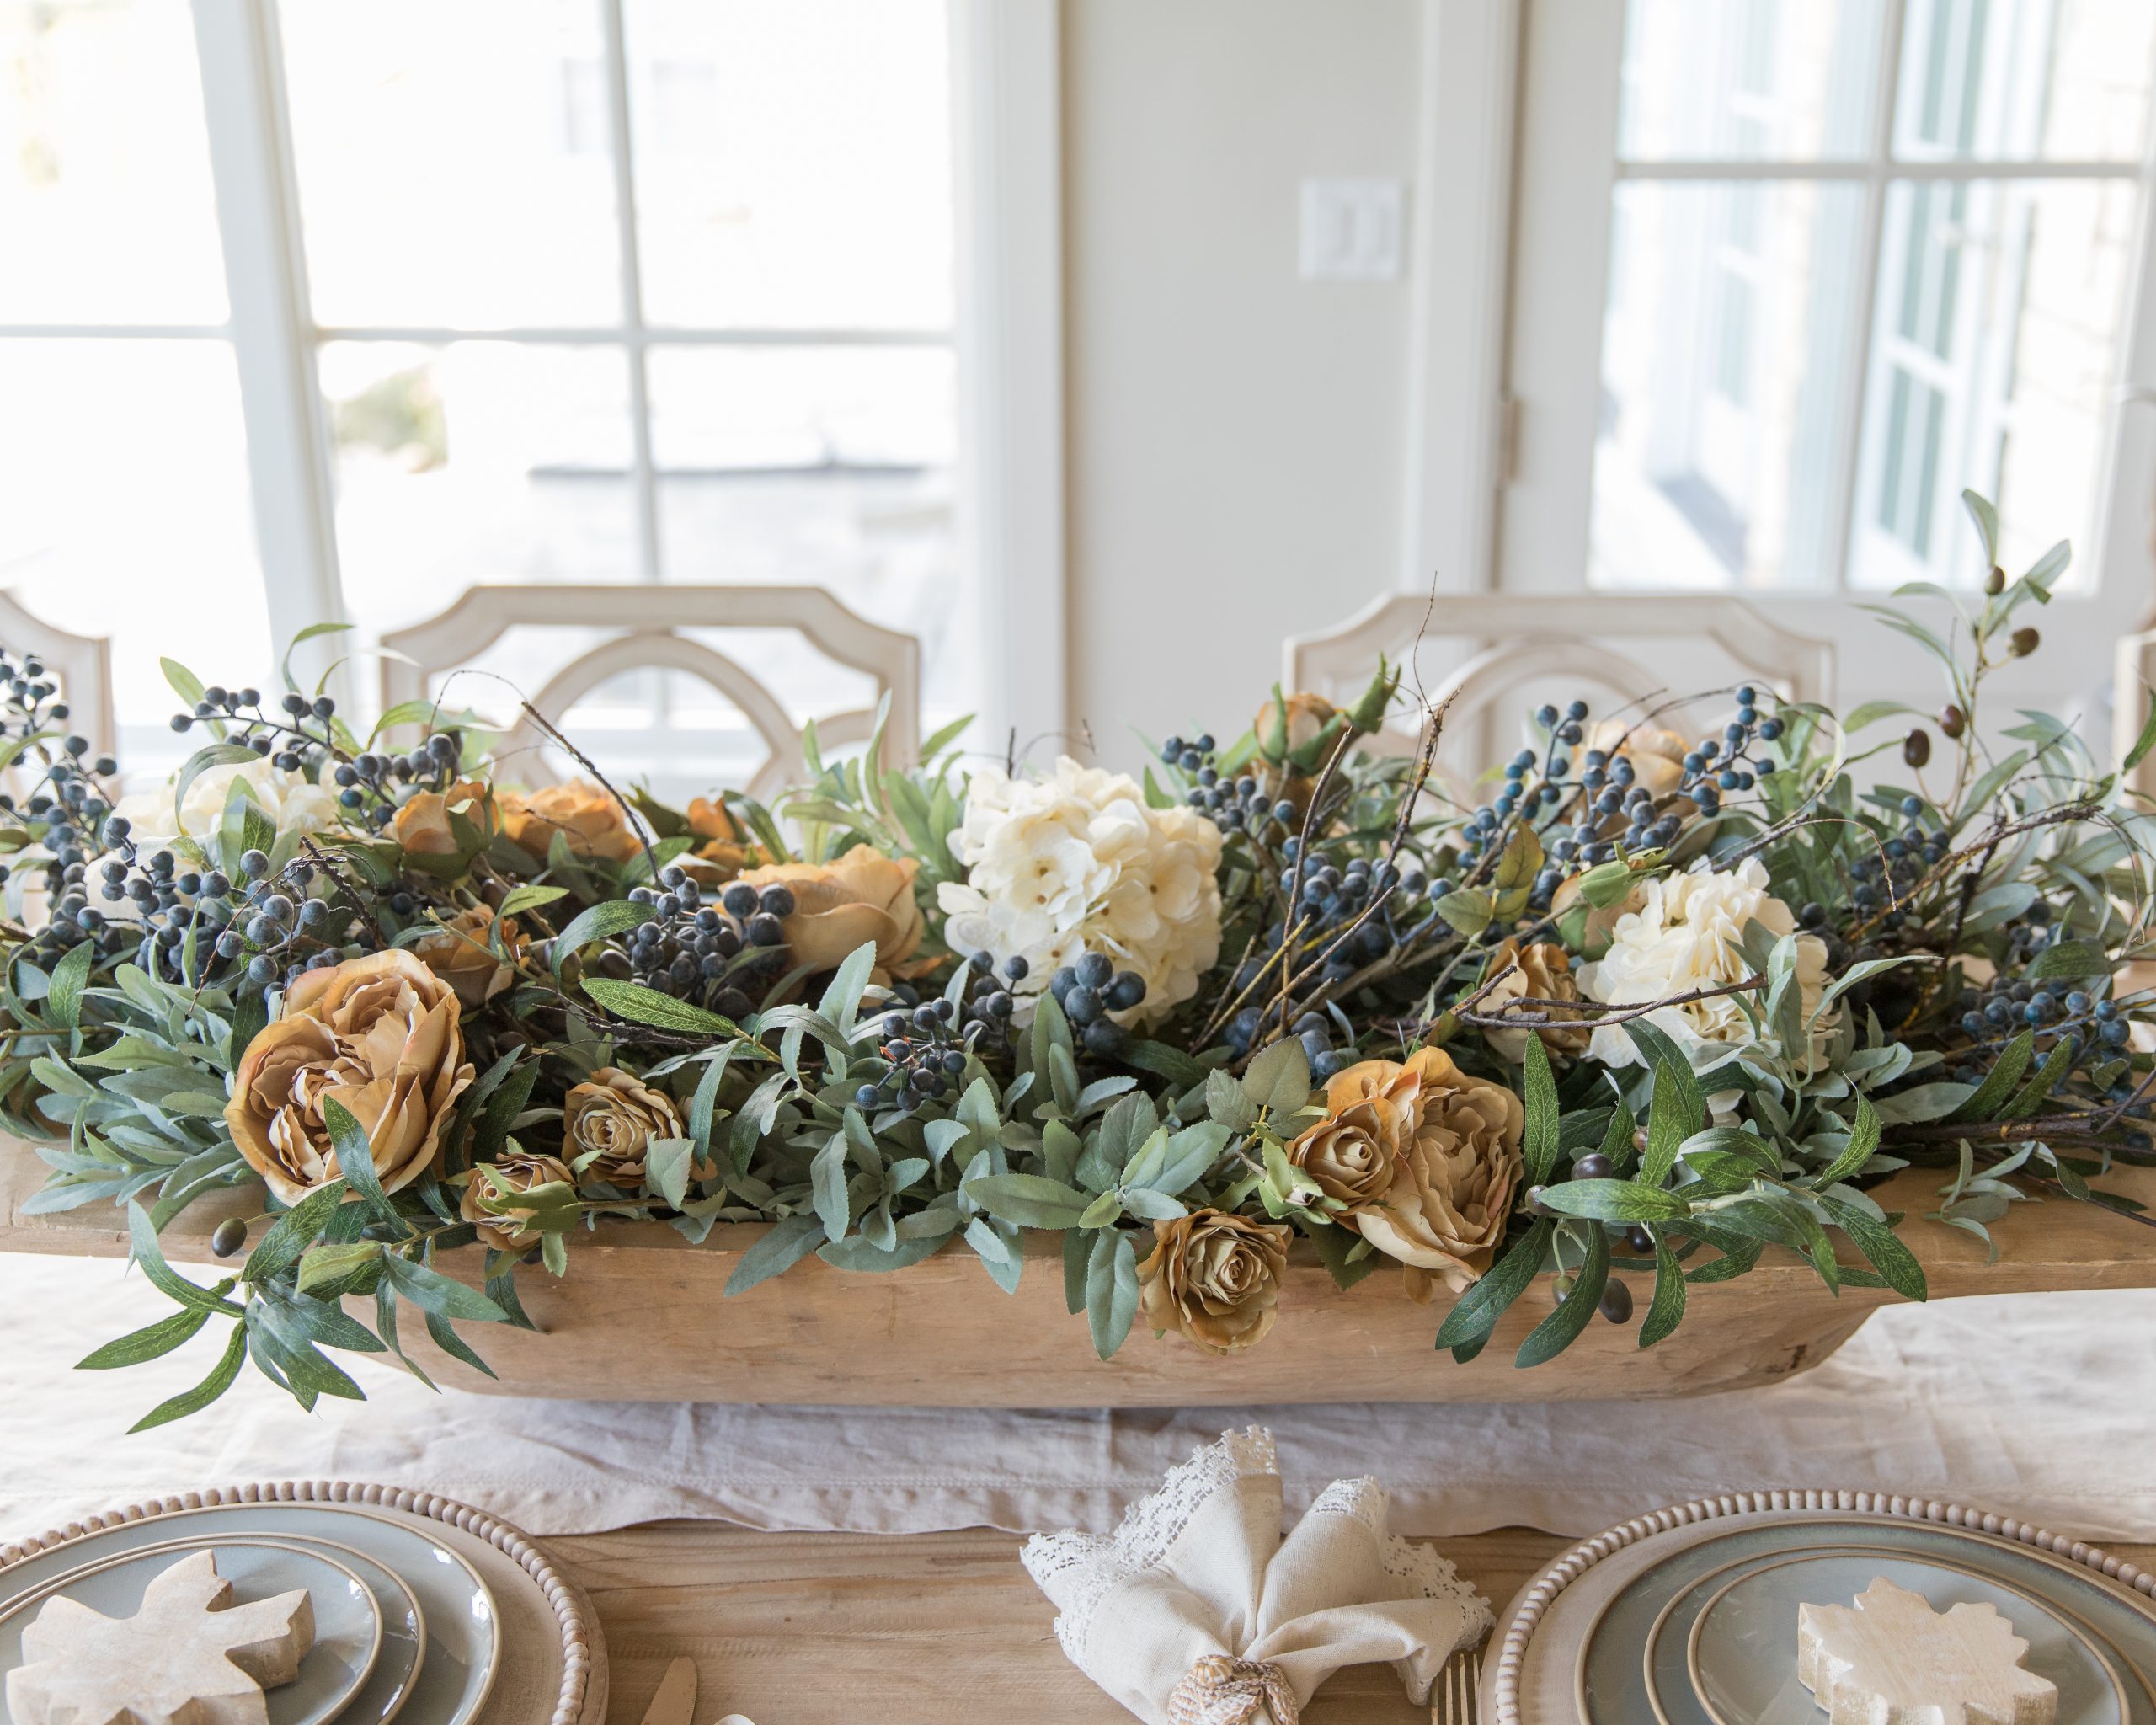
1352, 229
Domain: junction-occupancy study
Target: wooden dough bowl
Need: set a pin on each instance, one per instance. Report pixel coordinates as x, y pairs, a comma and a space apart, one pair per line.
641, 1316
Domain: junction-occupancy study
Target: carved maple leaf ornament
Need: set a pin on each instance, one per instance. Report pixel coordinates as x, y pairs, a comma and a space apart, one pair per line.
1890, 1659
187, 1656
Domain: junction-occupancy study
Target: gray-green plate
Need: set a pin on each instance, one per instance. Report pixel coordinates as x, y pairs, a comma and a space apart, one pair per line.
347, 1620
1755, 1669
463, 1629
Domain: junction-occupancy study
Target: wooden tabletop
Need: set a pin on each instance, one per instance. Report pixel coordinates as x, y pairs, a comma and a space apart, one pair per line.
838, 1629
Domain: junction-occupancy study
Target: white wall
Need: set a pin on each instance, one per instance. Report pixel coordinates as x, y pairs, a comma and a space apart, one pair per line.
1236, 453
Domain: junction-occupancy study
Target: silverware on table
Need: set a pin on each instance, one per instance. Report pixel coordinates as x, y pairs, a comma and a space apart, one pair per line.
1457, 1700
675, 1703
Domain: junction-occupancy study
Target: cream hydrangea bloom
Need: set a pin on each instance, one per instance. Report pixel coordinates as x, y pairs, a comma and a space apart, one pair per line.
1688, 934
286, 797
1076, 863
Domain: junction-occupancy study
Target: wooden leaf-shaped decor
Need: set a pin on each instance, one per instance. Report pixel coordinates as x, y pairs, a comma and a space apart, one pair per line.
189, 1657
1890, 1659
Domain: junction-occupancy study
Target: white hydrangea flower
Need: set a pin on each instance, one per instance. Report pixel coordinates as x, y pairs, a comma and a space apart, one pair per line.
286, 797
1688, 934
1076, 863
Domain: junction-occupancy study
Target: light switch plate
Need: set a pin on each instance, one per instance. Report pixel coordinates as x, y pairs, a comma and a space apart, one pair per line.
1353, 229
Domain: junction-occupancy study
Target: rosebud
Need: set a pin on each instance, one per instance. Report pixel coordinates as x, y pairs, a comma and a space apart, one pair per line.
1916, 747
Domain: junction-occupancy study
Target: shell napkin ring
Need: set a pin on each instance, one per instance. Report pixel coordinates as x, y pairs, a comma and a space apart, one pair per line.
1223, 1691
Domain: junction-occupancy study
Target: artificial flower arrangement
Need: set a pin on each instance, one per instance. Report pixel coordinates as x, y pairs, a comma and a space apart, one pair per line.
1659, 1002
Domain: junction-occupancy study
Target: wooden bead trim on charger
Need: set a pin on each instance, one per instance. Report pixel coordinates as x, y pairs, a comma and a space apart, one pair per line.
581, 1646
1512, 1652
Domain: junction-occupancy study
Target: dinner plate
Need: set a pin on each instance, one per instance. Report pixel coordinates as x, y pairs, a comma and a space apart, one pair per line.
1724, 1651
462, 1646
396, 1673
348, 1623
1673, 1618
1632, 1636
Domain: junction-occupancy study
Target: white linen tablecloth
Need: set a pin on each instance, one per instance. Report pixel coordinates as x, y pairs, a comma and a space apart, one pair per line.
2036, 1406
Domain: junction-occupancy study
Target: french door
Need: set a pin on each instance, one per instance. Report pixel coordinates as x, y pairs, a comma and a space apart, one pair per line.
1789, 274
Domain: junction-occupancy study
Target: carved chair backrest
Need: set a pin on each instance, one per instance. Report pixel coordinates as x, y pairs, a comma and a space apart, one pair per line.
81, 665
644, 625
1503, 645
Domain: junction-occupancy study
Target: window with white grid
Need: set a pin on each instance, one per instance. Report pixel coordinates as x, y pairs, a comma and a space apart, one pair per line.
578, 291
1864, 254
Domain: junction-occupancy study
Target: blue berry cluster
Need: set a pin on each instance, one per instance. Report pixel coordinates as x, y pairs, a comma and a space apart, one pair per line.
2094, 1028
719, 957
373, 785
1325, 901
265, 929
923, 1051
1885, 877
300, 741
989, 1001
1088, 992
1240, 805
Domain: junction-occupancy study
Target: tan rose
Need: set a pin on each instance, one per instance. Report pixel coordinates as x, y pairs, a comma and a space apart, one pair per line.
1215, 1278
379, 1035
1295, 723
1541, 972
616, 1115
724, 847
508, 1225
1352, 1152
863, 896
1658, 755
462, 954
421, 825
1452, 1188
584, 814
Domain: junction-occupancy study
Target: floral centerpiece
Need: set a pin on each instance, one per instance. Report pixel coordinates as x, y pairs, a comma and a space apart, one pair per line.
1660, 1001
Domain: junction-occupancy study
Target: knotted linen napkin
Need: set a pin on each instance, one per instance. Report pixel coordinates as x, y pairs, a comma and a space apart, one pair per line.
1197, 1611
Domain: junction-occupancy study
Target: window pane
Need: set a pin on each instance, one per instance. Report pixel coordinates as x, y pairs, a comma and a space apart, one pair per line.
2018, 79
482, 461
1749, 80
106, 203
124, 511
827, 466
1990, 367
1725, 348
793, 162
453, 162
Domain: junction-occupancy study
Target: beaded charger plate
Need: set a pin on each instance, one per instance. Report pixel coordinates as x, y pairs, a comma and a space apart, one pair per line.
1614, 1630
552, 1669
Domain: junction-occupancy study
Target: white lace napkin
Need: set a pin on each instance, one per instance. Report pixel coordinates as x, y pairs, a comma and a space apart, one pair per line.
1196, 1611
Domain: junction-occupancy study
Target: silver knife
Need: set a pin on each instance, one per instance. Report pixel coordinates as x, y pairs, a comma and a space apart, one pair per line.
675, 1703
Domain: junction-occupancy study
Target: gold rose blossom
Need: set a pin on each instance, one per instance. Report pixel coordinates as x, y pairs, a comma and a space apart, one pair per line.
462, 954
612, 1118
1214, 1277
490, 1200
586, 815
863, 895
422, 826
1541, 972
1451, 1147
379, 1035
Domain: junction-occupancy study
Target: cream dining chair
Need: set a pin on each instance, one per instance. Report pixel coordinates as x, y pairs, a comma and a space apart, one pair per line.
81, 665
644, 627
1495, 648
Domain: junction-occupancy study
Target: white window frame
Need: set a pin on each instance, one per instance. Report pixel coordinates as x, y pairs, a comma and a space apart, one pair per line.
1007, 337
1500, 462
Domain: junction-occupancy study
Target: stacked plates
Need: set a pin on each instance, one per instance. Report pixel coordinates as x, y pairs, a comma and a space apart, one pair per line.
426, 1611
1688, 1616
